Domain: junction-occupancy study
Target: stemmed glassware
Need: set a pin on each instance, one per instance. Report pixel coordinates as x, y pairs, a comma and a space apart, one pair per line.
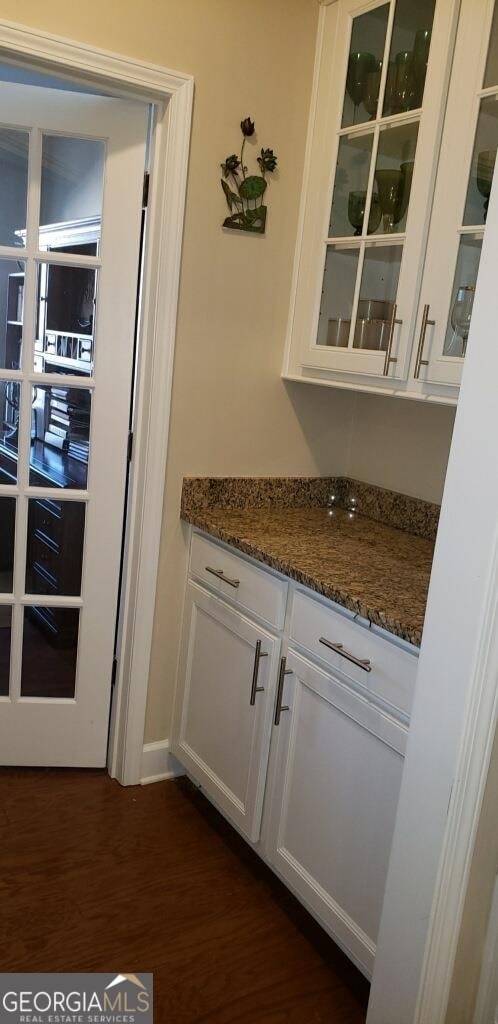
360, 64
390, 186
394, 185
484, 178
421, 49
461, 315
372, 89
356, 211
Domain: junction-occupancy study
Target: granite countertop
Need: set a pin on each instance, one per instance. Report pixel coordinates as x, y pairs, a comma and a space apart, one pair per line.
364, 564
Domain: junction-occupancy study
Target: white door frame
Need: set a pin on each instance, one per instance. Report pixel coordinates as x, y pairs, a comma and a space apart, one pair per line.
456, 700
172, 92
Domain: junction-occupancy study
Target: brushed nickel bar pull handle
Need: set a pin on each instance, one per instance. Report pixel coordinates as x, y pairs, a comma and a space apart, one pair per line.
389, 358
363, 663
279, 707
258, 654
421, 341
221, 576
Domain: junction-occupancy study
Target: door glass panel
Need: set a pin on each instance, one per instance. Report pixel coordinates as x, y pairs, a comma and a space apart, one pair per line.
50, 646
366, 54
10, 400
71, 187
491, 73
483, 163
11, 313
64, 341
14, 176
5, 636
7, 534
350, 186
393, 176
338, 290
60, 437
379, 285
55, 547
409, 54
462, 296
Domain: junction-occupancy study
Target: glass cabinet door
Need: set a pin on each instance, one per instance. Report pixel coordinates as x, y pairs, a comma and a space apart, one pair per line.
463, 187
385, 135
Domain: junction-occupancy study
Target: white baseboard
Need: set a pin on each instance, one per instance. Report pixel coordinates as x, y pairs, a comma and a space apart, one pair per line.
158, 763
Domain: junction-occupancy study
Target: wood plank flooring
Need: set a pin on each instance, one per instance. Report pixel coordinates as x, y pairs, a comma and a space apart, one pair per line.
95, 877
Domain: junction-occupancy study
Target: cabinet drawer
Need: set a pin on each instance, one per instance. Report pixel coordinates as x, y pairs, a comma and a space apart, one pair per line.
392, 670
248, 587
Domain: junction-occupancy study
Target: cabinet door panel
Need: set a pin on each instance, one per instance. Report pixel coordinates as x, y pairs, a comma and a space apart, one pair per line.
222, 738
381, 82
463, 185
334, 801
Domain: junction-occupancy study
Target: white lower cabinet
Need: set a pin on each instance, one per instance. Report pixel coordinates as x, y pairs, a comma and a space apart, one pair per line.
304, 758
337, 773
229, 666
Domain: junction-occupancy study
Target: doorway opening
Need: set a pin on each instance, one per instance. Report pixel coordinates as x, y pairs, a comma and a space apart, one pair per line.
67, 391
170, 94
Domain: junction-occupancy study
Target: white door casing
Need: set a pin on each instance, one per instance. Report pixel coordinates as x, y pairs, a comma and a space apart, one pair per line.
56, 731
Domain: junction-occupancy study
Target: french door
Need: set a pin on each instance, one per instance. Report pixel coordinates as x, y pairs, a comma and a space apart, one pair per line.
71, 170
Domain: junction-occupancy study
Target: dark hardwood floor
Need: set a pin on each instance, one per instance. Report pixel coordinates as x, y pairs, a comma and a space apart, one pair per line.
95, 877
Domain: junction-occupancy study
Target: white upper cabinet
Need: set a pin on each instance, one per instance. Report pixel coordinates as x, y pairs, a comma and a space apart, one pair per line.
465, 174
388, 253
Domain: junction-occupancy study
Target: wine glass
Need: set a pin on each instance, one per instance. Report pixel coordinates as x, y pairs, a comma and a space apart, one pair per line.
390, 185
461, 314
421, 49
484, 177
360, 64
403, 90
372, 89
356, 212
389, 93
406, 169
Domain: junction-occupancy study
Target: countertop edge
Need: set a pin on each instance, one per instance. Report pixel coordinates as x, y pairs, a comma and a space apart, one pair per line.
398, 629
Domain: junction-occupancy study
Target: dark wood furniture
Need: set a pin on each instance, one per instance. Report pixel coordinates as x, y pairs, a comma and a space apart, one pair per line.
60, 423
55, 534
15, 311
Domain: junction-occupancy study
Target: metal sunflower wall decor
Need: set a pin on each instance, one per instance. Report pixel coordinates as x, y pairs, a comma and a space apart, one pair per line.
247, 201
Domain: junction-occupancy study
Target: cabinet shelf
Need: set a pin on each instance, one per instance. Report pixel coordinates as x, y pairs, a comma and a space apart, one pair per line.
67, 364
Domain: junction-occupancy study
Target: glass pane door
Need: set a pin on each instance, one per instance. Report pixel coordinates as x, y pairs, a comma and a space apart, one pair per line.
376, 156
68, 274
463, 188
471, 230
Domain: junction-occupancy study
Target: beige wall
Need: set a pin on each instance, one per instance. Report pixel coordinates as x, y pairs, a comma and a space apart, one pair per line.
401, 444
231, 412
